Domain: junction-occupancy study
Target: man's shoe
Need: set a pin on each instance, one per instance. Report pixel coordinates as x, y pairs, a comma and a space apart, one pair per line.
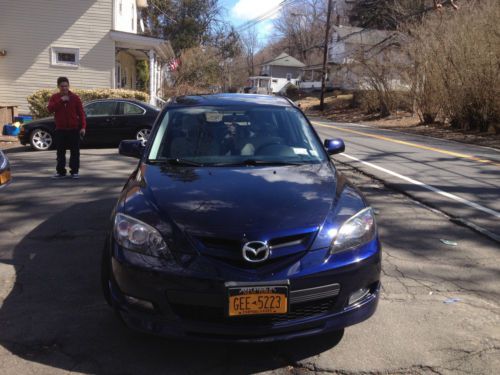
58, 175
74, 175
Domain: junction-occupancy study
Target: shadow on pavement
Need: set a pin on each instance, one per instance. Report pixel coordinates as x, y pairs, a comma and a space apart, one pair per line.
55, 314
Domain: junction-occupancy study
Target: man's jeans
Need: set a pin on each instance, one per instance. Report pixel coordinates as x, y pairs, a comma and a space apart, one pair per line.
68, 139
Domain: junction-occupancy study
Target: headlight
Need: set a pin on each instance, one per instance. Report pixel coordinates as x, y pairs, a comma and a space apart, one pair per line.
3, 161
135, 235
357, 230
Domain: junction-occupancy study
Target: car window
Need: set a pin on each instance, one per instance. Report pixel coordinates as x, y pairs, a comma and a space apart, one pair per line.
100, 109
232, 135
130, 109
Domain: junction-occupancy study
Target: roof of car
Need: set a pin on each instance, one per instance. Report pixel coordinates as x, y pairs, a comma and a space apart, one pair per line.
230, 100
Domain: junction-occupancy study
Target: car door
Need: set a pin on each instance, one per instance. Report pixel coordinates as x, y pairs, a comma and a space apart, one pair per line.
101, 116
131, 118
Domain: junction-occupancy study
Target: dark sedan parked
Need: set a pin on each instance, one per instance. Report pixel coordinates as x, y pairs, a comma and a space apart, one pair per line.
235, 225
108, 121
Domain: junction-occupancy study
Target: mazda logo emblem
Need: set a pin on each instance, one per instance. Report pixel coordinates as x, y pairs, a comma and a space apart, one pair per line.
255, 251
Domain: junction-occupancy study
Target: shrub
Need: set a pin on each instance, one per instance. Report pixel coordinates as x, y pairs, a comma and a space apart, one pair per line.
383, 102
39, 99
292, 91
457, 66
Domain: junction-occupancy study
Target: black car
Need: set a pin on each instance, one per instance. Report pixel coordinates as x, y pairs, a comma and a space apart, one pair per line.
108, 121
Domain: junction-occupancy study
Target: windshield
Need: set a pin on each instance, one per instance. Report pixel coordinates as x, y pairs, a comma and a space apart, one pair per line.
232, 136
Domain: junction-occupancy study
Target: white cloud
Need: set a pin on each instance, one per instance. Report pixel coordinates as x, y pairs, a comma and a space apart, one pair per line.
249, 9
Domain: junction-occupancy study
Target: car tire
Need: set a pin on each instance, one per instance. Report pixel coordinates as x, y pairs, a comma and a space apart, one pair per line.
143, 134
41, 139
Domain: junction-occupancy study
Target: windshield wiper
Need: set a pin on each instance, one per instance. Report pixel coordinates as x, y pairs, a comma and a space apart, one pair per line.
175, 161
252, 162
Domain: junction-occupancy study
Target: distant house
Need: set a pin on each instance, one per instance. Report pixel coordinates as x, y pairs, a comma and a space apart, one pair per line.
349, 52
95, 43
353, 47
276, 75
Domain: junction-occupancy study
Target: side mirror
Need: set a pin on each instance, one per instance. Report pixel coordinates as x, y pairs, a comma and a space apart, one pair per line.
131, 148
334, 146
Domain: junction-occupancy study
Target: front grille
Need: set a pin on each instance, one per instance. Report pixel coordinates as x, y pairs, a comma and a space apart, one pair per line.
229, 249
217, 314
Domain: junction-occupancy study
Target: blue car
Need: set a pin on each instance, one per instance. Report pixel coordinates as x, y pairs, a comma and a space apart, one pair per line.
236, 226
5, 176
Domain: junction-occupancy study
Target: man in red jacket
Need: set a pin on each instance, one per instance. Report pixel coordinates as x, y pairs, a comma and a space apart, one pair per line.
70, 127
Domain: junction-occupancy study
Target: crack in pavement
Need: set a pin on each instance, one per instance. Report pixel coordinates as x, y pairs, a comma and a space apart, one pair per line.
414, 369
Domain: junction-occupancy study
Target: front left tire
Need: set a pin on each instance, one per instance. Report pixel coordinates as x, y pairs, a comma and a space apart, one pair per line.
41, 139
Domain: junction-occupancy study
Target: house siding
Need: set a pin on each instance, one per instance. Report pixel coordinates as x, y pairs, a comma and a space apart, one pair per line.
28, 30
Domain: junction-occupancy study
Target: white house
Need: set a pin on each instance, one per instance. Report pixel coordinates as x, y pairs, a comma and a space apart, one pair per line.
95, 43
276, 75
349, 52
352, 48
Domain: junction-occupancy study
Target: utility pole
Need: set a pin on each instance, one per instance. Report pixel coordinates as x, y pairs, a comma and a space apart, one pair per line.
325, 55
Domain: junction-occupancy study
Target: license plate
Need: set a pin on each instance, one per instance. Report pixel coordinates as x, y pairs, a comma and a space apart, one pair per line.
258, 300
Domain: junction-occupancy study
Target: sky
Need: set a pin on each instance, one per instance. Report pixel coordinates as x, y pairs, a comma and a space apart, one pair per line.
241, 11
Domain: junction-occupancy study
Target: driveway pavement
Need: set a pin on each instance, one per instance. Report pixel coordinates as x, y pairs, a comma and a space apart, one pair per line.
439, 312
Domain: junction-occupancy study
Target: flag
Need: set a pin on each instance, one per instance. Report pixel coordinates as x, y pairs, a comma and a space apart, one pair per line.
174, 64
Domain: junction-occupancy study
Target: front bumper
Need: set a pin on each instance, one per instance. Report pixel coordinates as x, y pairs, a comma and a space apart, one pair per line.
190, 306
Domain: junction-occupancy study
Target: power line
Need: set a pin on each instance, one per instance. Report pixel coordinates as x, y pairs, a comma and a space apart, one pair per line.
265, 16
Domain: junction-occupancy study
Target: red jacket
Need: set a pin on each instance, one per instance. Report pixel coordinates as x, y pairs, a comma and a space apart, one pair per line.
68, 115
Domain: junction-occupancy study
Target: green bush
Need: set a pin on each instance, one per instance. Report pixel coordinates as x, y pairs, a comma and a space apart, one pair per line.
39, 99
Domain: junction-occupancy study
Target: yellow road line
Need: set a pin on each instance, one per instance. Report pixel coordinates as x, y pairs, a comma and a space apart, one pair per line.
451, 153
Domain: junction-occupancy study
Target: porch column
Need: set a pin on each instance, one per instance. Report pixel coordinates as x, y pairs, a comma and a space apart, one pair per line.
152, 77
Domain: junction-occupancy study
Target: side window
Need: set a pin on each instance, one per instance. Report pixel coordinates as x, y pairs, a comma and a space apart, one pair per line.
130, 109
100, 109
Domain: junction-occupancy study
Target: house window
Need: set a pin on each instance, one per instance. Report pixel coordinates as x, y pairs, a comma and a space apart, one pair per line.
63, 56
289, 76
120, 7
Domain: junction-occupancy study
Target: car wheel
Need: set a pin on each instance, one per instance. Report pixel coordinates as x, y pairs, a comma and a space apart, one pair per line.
143, 135
41, 139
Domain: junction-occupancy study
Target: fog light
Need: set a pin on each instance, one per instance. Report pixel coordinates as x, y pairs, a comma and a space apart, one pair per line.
358, 295
139, 303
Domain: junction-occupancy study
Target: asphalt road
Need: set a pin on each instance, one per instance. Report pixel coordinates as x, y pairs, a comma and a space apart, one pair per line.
459, 179
439, 312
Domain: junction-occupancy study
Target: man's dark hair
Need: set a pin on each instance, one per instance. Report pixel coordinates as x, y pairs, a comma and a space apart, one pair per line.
61, 80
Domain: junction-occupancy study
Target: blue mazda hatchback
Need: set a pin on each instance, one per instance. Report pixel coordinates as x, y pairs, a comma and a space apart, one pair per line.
236, 226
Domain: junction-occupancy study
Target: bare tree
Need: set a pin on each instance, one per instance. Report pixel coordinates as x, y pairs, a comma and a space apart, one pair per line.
301, 27
250, 42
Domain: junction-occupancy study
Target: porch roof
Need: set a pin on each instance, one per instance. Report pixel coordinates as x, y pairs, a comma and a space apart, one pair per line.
141, 42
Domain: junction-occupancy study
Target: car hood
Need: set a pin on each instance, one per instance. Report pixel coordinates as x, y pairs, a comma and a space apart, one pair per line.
244, 199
